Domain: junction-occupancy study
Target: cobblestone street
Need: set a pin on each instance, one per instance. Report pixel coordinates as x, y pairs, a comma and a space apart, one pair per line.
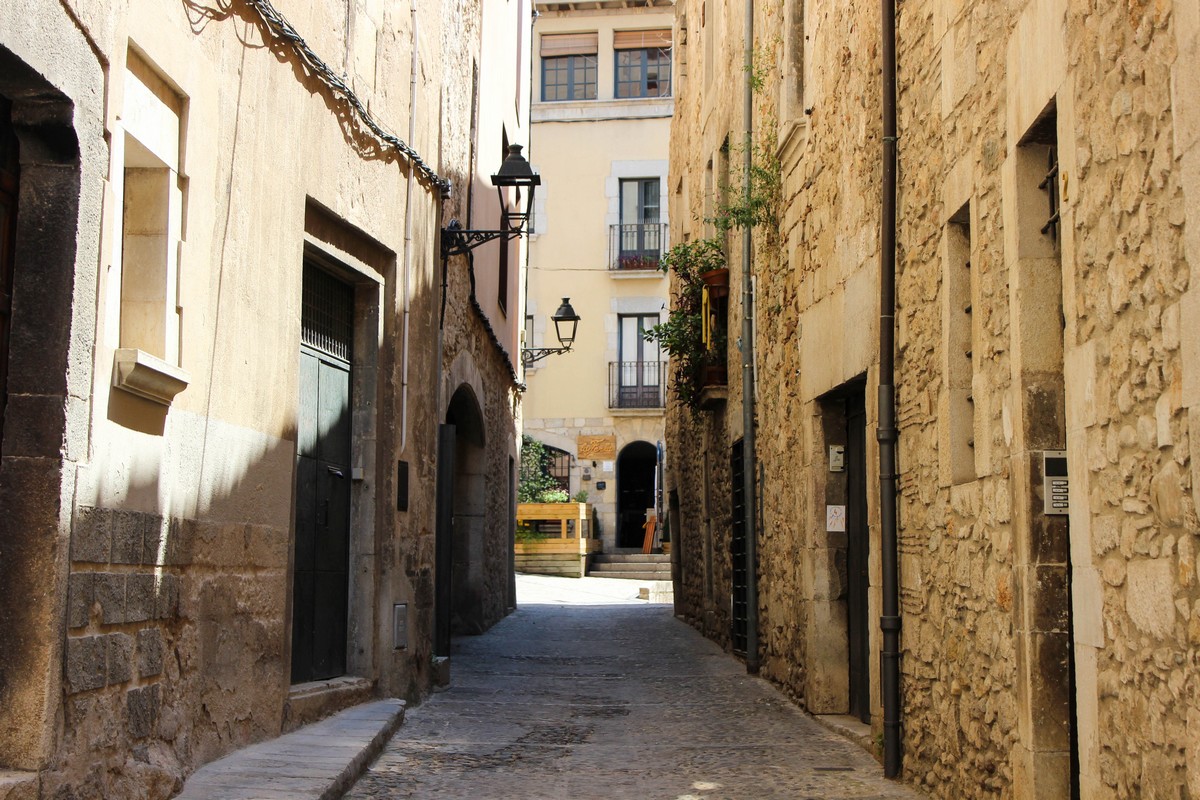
586, 693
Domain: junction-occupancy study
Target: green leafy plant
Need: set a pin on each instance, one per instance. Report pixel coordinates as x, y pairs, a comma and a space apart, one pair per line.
534, 481
527, 534
682, 334
581, 496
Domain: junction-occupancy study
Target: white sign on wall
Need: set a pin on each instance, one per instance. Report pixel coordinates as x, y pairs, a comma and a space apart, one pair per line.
835, 519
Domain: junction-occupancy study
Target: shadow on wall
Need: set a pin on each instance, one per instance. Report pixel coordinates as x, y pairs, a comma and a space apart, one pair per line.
177, 635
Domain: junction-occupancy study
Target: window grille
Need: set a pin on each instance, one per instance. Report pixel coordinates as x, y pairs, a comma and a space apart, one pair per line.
327, 313
1049, 185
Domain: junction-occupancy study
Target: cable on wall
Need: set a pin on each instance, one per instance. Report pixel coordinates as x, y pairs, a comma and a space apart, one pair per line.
278, 25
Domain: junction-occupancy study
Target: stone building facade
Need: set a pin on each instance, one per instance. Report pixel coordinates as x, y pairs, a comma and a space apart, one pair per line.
1047, 262
600, 126
229, 349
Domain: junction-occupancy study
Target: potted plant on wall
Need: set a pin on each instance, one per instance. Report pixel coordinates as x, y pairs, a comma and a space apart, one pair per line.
695, 363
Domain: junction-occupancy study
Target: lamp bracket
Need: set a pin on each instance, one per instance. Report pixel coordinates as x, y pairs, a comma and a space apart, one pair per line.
532, 354
458, 241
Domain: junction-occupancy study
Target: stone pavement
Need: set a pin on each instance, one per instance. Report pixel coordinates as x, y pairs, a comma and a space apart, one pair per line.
586, 692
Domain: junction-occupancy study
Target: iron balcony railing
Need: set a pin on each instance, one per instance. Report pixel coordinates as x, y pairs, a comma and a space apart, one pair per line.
637, 246
637, 384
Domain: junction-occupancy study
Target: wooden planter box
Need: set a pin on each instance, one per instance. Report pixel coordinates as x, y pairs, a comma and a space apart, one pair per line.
565, 555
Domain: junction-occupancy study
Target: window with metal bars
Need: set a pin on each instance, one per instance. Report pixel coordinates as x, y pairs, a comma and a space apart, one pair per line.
1049, 185
327, 316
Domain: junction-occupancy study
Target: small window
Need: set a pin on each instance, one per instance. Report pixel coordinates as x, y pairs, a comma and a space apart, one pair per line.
569, 70
569, 78
644, 73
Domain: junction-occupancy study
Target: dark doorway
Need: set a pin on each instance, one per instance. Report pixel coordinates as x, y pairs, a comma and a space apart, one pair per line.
636, 467
9, 173
739, 607
857, 553
462, 490
320, 584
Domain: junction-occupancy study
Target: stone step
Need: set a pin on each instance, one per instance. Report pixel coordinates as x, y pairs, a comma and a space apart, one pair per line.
625, 566
632, 576
632, 558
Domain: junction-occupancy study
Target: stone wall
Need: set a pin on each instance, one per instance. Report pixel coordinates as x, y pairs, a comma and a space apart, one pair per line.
146, 549
1076, 342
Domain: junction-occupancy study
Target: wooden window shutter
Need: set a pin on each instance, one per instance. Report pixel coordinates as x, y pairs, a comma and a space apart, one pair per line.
570, 44
641, 40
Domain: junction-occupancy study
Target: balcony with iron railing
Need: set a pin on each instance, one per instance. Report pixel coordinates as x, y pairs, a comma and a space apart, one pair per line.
636, 246
637, 384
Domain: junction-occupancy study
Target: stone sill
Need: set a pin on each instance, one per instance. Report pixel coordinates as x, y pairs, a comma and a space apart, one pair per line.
713, 397
637, 412
636, 274
309, 702
600, 110
147, 376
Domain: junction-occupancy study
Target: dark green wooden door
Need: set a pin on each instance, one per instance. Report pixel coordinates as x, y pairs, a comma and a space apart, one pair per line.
321, 576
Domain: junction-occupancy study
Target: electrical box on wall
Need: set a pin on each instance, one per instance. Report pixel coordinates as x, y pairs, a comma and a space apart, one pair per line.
837, 458
1056, 488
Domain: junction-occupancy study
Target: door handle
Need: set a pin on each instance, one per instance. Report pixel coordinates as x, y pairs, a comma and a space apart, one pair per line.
335, 472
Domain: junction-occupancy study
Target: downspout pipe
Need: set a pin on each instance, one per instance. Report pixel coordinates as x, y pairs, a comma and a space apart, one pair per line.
408, 236
750, 473
889, 620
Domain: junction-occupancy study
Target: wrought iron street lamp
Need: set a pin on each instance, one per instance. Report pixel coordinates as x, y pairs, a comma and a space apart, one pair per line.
566, 321
515, 173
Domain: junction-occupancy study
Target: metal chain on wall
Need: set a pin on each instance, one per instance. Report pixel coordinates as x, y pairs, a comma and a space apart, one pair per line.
278, 25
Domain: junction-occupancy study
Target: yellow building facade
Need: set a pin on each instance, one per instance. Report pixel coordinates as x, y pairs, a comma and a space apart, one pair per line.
599, 126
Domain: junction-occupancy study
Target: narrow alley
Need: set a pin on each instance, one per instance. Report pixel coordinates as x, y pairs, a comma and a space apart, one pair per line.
587, 692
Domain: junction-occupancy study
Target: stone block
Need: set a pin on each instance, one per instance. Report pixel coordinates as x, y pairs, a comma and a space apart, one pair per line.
1049, 691
140, 597
91, 538
110, 593
40, 433
1149, 599
119, 648
86, 658
166, 603
80, 594
142, 706
1087, 603
152, 541
180, 544
127, 527
1049, 603
149, 652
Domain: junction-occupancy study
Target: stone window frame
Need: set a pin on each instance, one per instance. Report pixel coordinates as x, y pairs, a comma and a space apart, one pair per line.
147, 159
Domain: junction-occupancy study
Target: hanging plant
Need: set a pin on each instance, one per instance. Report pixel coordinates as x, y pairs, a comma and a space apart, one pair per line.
682, 334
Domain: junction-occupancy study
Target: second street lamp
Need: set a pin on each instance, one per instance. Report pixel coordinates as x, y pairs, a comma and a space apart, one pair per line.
566, 322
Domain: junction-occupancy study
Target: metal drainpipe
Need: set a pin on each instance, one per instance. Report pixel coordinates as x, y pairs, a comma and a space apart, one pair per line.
889, 620
750, 473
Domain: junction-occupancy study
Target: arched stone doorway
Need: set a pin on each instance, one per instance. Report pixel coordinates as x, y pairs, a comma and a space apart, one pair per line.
462, 487
637, 465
